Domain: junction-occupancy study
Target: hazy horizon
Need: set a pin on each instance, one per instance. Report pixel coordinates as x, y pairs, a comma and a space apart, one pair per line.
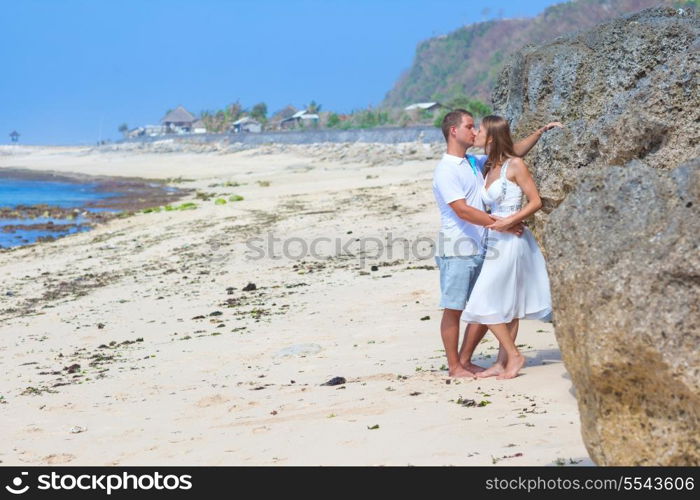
76, 70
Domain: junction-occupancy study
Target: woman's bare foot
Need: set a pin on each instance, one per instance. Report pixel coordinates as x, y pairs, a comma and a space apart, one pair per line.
459, 372
491, 371
471, 367
515, 363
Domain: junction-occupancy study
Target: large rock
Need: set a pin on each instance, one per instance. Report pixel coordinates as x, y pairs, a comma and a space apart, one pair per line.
625, 267
620, 225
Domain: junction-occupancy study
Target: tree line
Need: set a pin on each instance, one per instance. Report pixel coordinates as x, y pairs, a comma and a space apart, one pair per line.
221, 120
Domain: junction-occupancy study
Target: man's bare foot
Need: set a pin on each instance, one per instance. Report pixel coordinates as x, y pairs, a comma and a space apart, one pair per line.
473, 368
491, 371
515, 363
459, 372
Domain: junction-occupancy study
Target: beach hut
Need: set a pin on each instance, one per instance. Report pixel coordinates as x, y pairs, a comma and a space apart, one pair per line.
309, 119
198, 127
290, 122
424, 106
154, 130
135, 132
301, 118
179, 121
14, 135
246, 124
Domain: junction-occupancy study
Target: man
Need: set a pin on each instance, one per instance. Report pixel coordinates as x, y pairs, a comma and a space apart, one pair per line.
457, 184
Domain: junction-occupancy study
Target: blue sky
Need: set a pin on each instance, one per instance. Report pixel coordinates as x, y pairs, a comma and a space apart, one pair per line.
71, 69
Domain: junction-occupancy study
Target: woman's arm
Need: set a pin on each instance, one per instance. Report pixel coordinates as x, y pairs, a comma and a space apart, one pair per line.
523, 147
522, 177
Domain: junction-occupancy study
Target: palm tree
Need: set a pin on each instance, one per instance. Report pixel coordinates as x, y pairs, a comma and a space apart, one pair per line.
235, 110
259, 112
313, 108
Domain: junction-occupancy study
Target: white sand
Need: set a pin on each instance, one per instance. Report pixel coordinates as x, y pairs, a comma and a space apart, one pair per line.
229, 399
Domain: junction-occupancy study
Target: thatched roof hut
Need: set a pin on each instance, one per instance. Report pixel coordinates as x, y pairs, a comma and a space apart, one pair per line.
179, 117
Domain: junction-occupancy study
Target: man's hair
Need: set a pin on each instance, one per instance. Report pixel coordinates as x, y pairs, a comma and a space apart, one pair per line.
453, 119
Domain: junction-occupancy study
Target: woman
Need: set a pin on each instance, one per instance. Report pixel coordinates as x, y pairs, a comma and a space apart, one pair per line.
513, 283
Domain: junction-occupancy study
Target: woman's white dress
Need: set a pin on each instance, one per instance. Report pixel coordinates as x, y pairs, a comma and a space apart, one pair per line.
513, 282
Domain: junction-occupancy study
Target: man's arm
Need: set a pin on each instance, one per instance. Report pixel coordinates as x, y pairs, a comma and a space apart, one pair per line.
523, 147
471, 214
480, 218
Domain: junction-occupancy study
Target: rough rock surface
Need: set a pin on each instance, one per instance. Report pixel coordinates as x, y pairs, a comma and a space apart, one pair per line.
621, 225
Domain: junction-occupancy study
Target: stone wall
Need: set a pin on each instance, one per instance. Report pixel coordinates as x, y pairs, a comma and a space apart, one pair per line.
382, 135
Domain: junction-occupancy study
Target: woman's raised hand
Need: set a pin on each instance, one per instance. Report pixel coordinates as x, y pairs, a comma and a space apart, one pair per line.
552, 125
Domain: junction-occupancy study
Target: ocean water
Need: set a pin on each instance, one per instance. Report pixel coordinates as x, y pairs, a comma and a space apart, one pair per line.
14, 192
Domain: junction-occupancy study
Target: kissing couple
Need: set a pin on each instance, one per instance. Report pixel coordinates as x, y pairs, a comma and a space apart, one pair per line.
492, 273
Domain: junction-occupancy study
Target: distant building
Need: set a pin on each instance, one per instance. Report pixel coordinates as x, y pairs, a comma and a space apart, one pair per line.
424, 106
275, 121
246, 124
135, 132
14, 135
154, 130
179, 121
283, 113
300, 118
198, 127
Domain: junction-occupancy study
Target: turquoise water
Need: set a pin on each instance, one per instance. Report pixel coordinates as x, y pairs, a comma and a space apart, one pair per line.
15, 192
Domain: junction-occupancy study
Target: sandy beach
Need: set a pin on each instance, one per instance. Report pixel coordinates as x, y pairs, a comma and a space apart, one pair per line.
143, 342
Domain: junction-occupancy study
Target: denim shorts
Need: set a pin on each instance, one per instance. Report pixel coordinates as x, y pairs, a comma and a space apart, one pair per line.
457, 278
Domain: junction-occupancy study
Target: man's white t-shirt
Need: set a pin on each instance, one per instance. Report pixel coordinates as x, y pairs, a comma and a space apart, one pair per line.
454, 178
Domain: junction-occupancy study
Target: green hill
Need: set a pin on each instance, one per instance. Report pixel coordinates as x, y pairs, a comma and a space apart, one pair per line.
468, 60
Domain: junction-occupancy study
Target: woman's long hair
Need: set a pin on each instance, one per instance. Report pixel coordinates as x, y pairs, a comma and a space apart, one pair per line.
501, 148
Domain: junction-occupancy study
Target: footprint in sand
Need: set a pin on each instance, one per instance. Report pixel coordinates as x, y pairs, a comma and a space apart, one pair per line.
58, 458
216, 399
